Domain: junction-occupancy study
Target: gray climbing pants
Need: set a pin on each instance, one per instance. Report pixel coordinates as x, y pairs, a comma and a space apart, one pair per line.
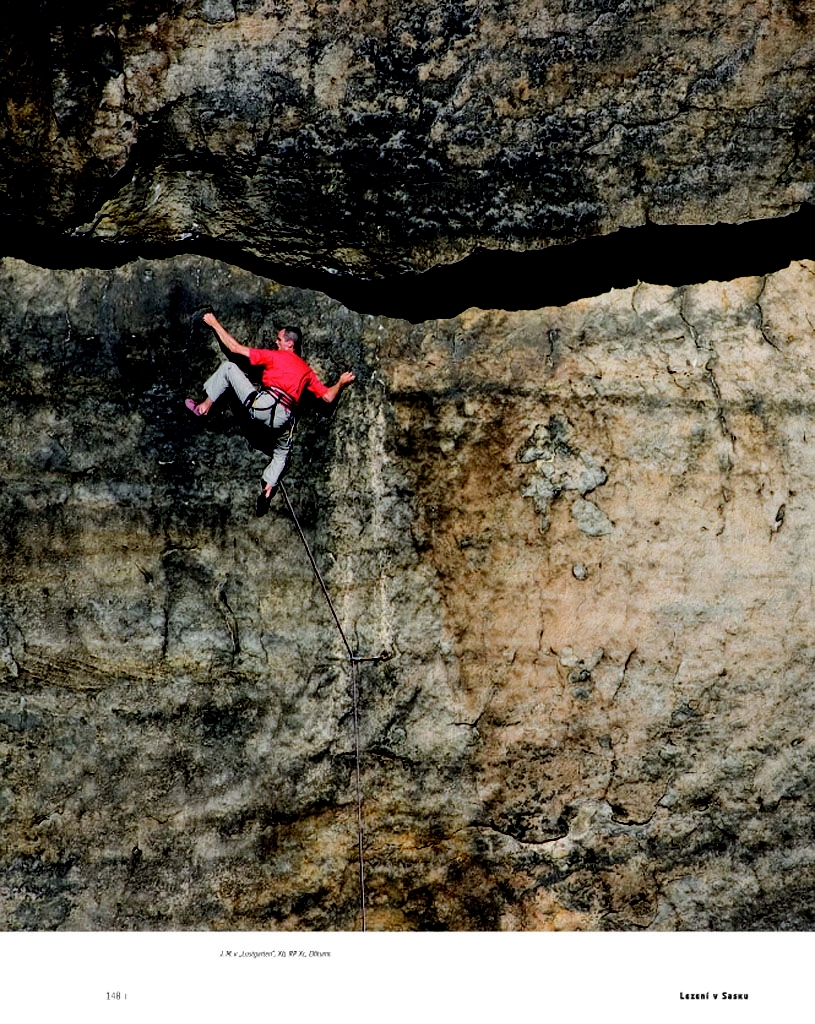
276, 416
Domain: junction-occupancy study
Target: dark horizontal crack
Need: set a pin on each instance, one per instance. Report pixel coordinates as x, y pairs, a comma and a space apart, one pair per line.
674, 255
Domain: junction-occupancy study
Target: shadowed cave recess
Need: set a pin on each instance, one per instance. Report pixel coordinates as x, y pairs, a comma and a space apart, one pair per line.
676, 255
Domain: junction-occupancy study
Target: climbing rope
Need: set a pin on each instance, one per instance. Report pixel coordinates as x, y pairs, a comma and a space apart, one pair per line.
353, 660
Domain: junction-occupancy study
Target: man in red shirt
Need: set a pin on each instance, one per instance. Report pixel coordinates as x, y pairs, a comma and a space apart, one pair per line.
285, 377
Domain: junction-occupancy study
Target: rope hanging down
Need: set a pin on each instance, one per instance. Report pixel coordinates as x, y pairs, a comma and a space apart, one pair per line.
354, 660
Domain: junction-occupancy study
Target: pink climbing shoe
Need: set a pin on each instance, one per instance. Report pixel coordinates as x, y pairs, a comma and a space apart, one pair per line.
192, 405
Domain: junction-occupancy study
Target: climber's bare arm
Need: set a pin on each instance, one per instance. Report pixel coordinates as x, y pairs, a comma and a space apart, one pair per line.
345, 379
225, 337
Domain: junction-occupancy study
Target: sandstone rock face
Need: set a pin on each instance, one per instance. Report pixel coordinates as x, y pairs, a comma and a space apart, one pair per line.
372, 138
583, 534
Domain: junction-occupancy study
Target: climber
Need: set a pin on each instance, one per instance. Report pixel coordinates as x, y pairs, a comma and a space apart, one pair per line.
285, 377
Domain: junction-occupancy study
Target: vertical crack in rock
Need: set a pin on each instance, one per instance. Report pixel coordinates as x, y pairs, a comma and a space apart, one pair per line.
229, 616
726, 456
707, 349
621, 683
761, 325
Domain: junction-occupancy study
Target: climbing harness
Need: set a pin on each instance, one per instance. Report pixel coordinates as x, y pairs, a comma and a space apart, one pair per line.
262, 404
254, 401
353, 660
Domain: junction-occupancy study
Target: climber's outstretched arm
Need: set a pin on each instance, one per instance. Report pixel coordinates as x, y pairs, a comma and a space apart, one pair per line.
225, 337
345, 379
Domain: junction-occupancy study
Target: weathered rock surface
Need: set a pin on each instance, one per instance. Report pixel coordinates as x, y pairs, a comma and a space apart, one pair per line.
372, 138
583, 533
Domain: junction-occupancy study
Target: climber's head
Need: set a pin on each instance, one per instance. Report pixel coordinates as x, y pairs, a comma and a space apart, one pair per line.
289, 340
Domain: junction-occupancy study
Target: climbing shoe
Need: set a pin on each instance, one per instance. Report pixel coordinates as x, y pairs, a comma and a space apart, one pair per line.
262, 503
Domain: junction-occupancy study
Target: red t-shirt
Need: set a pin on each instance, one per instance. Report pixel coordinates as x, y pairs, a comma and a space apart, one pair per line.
286, 371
